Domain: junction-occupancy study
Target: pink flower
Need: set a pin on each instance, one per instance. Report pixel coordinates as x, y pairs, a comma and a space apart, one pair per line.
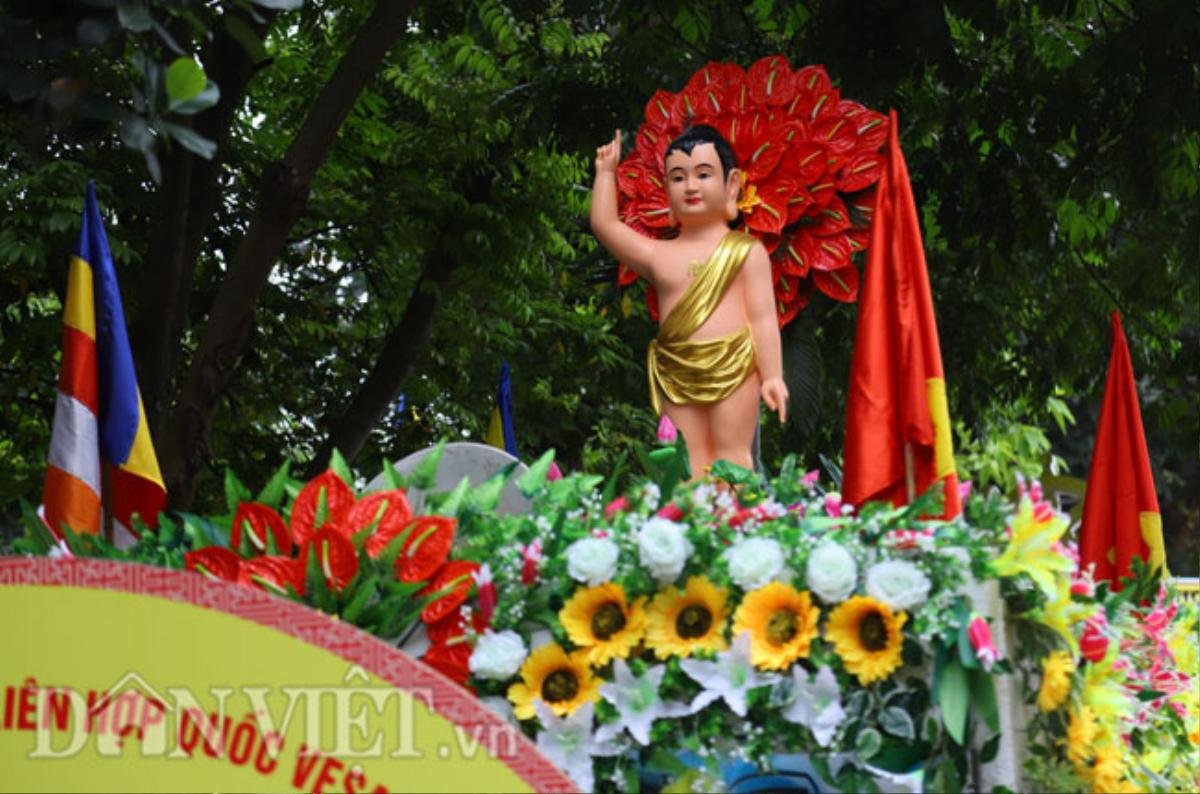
618, 505
909, 539
666, 430
1093, 644
554, 473
531, 558
833, 504
671, 512
1082, 587
964, 490
486, 590
980, 635
810, 479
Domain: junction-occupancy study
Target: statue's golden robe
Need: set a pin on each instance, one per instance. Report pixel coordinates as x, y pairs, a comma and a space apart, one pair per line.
688, 371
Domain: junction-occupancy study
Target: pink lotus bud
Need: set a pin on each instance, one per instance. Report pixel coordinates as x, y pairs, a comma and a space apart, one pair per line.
671, 512
553, 473
980, 635
666, 430
531, 558
486, 589
1035, 490
833, 504
618, 505
1093, 645
810, 478
964, 490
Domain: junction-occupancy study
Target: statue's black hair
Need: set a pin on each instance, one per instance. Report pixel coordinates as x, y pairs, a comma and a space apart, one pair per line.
703, 133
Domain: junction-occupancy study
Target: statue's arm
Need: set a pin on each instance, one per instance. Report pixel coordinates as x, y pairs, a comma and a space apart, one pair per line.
624, 243
764, 329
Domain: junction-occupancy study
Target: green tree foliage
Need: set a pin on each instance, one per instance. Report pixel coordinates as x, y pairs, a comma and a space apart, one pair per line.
1052, 147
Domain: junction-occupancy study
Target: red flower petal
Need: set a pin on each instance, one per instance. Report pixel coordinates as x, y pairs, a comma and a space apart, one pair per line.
658, 109
815, 94
771, 81
837, 133
787, 260
840, 284
872, 129
860, 171
338, 499
451, 660
456, 573
449, 627
826, 253
426, 549
389, 508
652, 302
216, 562
259, 519
273, 573
831, 219
336, 557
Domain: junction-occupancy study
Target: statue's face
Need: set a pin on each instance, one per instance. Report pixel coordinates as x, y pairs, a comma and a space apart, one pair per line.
697, 190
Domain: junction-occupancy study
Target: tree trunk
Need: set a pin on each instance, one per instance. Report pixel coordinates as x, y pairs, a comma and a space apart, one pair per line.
189, 196
283, 196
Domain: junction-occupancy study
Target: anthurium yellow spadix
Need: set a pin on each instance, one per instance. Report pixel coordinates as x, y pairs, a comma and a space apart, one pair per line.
1035, 531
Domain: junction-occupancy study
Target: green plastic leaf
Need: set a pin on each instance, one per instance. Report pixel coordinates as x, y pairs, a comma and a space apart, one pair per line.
485, 498
342, 469
953, 696
424, 474
185, 79
362, 594
733, 473
868, 743
990, 750
983, 698
394, 478
897, 722
235, 492
455, 499
273, 492
532, 480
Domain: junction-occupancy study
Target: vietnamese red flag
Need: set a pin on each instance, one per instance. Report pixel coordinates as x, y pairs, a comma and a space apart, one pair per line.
1120, 508
897, 388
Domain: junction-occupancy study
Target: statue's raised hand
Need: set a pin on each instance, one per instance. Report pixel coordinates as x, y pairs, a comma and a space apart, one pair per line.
775, 395
608, 155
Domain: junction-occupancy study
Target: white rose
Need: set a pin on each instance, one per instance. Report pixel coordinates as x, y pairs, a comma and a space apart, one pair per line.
592, 560
498, 656
832, 573
897, 583
663, 548
754, 562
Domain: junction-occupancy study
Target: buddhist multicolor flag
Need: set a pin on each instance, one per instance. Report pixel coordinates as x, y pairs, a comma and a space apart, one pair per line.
1120, 508
897, 396
500, 428
100, 444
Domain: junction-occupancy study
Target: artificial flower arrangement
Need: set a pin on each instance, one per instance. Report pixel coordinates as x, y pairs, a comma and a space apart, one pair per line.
688, 629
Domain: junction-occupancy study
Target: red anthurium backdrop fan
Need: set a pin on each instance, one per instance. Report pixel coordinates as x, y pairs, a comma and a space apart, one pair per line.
809, 161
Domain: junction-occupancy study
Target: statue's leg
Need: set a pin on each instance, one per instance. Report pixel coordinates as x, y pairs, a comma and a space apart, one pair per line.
733, 422
693, 422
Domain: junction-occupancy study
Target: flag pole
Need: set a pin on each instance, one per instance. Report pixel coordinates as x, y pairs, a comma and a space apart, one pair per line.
910, 479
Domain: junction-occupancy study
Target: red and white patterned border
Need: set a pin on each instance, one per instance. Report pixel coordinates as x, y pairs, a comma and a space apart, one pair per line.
307, 625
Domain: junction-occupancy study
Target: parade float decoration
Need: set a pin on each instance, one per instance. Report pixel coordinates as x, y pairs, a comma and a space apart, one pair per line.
809, 159
693, 634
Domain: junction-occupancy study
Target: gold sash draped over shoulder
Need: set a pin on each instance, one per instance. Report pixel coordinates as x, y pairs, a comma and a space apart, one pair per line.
688, 371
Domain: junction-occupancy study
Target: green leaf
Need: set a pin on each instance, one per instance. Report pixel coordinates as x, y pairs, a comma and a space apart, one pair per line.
136, 134
134, 15
185, 79
990, 749
868, 743
244, 34
485, 498
190, 139
424, 474
272, 493
235, 492
202, 101
897, 722
535, 478
342, 469
983, 698
953, 696
362, 594
455, 499
395, 480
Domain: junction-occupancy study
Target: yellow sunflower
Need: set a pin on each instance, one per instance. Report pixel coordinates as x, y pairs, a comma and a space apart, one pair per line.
681, 623
1056, 680
1081, 733
782, 623
1107, 768
866, 635
599, 620
561, 681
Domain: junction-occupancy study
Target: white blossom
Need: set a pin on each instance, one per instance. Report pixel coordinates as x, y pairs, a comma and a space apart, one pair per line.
832, 573
897, 583
730, 677
818, 704
663, 548
570, 744
498, 656
592, 560
753, 562
637, 701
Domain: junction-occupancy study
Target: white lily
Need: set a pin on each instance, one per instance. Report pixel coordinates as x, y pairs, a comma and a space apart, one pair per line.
730, 677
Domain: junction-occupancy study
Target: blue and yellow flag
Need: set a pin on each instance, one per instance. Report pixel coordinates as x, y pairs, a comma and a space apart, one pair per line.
500, 430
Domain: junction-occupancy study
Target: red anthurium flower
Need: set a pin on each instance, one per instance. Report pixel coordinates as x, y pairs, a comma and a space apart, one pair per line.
831, 219
452, 659
215, 562
456, 575
273, 573
531, 560
259, 519
389, 508
815, 93
1093, 643
427, 547
771, 81
338, 499
658, 109
859, 171
840, 284
336, 557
